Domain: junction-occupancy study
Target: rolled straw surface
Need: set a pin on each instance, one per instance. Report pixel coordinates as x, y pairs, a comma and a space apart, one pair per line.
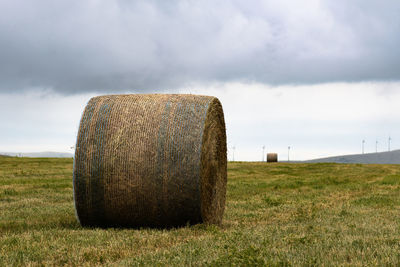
150, 160
272, 157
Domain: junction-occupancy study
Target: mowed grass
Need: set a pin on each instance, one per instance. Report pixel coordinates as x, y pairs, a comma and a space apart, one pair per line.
276, 215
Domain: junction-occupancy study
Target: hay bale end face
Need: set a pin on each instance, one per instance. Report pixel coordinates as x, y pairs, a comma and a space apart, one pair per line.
150, 160
272, 157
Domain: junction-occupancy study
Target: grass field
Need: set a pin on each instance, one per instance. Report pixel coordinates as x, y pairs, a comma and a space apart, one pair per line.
276, 214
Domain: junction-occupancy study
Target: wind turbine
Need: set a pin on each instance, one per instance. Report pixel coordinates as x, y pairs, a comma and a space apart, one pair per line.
363, 142
263, 154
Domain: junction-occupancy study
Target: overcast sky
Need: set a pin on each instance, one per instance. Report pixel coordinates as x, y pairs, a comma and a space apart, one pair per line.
319, 76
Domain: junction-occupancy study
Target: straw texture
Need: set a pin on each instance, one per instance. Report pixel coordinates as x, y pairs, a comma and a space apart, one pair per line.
150, 160
272, 157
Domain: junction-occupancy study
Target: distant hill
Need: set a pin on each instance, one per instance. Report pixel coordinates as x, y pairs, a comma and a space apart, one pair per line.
392, 157
46, 154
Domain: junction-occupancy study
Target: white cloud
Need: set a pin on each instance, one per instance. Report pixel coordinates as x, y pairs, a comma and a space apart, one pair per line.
316, 121
40, 121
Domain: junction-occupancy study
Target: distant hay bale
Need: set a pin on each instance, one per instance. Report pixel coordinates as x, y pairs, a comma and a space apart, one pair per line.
150, 160
272, 157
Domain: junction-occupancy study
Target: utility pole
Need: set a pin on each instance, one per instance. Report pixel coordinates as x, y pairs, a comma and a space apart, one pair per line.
288, 152
376, 146
233, 153
390, 139
263, 154
363, 142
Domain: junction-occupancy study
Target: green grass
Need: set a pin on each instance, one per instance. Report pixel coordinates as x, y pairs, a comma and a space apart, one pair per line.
276, 215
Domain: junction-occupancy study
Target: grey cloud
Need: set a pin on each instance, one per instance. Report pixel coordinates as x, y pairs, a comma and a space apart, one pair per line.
75, 46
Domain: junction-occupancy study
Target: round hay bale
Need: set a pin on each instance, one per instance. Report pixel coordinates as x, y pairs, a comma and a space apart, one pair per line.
150, 160
272, 157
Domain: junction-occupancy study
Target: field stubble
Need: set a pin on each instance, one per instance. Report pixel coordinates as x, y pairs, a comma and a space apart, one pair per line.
276, 214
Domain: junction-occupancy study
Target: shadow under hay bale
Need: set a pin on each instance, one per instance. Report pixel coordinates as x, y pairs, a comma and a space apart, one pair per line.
150, 160
272, 157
